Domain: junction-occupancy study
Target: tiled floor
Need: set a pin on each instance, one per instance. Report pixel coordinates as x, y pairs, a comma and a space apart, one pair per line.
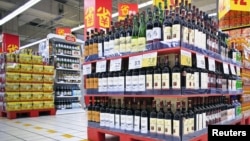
66, 127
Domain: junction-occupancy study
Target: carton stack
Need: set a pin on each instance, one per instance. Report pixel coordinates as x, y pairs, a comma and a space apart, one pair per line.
26, 83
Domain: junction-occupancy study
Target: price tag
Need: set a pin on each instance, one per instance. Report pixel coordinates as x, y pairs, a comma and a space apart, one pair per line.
149, 59
211, 64
86, 69
101, 66
225, 68
200, 60
115, 65
238, 71
135, 62
232, 69
186, 58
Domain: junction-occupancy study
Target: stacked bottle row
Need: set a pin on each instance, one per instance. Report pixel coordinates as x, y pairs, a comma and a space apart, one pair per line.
65, 49
65, 103
163, 79
64, 62
182, 26
146, 116
68, 77
65, 90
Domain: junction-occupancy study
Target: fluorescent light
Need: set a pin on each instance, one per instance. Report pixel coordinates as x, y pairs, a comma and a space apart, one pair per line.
142, 5
212, 14
18, 11
34, 43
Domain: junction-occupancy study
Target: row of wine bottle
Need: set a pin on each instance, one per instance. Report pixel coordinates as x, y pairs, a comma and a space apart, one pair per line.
144, 118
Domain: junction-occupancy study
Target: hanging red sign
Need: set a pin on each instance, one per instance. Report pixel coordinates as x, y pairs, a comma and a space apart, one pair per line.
63, 30
125, 9
10, 43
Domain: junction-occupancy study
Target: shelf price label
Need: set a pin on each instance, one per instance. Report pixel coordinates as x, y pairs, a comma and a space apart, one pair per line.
86, 69
225, 68
232, 68
135, 62
149, 59
115, 65
211, 64
238, 71
186, 58
101, 66
200, 60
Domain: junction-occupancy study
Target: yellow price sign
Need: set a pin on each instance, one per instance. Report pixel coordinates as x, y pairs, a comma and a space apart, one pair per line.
186, 58
149, 59
240, 5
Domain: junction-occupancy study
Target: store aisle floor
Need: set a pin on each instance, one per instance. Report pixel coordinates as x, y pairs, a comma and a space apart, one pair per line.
68, 127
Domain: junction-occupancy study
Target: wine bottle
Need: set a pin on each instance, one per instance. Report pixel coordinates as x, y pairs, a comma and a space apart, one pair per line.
153, 118
117, 40
122, 38
160, 120
167, 30
157, 79
149, 80
149, 30
177, 27
142, 33
128, 37
95, 44
130, 117
112, 114
128, 82
142, 81
144, 119
177, 121
191, 117
134, 40
135, 81
97, 110
166, 76
118, 115
123, 116
112, 40
176, 76
106, 43
90, 108
108, 115
137, 118
168, 122
103, 114
185, 121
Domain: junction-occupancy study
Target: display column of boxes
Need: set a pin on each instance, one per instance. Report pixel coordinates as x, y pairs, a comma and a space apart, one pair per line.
27, 84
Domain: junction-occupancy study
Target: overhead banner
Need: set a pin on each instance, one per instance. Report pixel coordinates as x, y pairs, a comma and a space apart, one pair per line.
125, 9
162, 3
97, 14
63, 31
10, 43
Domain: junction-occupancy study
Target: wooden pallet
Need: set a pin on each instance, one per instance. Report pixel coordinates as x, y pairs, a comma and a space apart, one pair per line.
27, 113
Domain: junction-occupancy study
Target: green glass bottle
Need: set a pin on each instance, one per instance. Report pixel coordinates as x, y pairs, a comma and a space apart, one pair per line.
134, 41
142, 33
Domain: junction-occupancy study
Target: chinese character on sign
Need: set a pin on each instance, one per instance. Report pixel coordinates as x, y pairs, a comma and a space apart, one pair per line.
89, 17
103, 17
125, 10
12, 48
61, 31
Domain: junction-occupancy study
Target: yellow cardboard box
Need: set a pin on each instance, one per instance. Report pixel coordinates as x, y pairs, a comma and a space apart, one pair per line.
13, 106
48, 105
48, 69
48, 87
25, 58
37, 78
26, 68
12, 87
25, 77
38, 105
26, 96
37, 95
26, 105
12, 77
25, 87
12, 67
48, 78
37, 87
11, 96
48, 95
37, 69
38, 60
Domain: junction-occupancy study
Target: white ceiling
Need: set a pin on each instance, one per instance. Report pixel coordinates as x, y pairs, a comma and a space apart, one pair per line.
41, 19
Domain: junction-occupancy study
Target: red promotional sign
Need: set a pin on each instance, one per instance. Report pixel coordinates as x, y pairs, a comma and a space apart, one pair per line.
125, 9
10, 43
97, 14
63, 30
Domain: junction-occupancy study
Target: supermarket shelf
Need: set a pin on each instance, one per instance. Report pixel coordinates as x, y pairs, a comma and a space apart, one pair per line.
163, 51
155, 95
70, 111
237, 27
70, 56
97, 133
64, 83
67, 69
68, 96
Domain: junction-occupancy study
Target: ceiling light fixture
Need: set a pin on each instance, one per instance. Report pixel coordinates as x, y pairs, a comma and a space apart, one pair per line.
142, 5
18, 11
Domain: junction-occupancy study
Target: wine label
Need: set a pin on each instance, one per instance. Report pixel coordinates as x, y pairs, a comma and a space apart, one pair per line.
95, 48
97, 117
123, 122
176, 32
100, 87
128, 83
196, 80
89, 115
90, 49
168, 127
121, 85
229, 85
137, 124
95, 83
117, 121
191, 125
189, 83
204, 119
135, 83
129, 122
144, 125
128, 44
106, 48
104, 84
117, 45
106, 119
200, 121
160, 126
110, 84
149, 82
196, 37
142, 83
191, 37
157, 81
204, 37
115, 85
156, 33
134, 44
93, 115
204, 80
185, 34
152, 125
102, 119
165, 81
234, 85
141, 44
100, 50
176, 80
185, 126
176, 127
122, 44
167, 33
111, 47
197, 122
112, 120
149, 35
